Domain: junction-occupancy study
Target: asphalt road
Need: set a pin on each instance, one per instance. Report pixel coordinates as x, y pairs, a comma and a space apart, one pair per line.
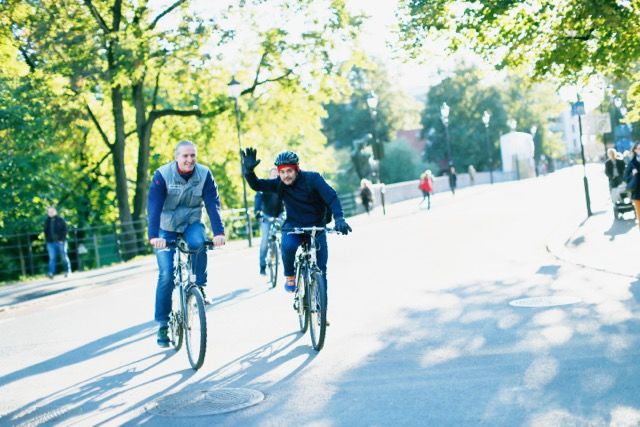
422, 330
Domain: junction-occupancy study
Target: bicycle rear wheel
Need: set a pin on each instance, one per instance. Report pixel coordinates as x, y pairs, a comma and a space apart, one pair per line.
300, 302
317, 300
176, 332
272, 262
196, 327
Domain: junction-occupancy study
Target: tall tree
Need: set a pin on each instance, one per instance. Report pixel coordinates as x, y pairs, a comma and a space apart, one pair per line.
564, 38
119, 52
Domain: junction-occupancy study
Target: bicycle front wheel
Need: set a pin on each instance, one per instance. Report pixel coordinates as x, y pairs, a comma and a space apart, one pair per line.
196, 327
317, 301
300, 302
272, 262
176, 332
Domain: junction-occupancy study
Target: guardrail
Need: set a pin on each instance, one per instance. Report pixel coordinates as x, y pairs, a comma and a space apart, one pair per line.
23, 255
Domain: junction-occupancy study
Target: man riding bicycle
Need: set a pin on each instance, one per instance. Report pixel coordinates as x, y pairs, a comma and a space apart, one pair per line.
306, 196
178, 192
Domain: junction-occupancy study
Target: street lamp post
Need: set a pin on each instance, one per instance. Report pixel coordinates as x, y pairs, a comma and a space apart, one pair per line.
234, 92
534, 129
578, 110
372, 102
486, 118
444, 116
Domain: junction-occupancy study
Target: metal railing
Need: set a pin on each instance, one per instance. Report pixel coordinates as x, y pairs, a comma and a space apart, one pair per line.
23, 255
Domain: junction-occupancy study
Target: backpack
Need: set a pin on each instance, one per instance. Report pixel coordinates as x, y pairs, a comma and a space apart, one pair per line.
327, 215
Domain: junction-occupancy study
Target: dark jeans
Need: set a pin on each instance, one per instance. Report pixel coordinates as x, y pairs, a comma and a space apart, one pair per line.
194, 235
290, 243
55, 250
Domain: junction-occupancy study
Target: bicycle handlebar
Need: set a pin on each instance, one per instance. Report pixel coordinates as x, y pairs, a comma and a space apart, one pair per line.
312, 230
175, 244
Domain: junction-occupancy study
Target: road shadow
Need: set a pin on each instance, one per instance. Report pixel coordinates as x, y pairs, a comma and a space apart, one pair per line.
549, 270
619, 227
98, 392
87, 351
464, 356
246, 371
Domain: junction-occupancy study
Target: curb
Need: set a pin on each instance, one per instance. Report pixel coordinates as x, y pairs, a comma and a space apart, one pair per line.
557, 247
49, 289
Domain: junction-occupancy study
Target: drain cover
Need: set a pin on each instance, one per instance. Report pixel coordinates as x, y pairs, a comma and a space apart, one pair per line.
549, 301
205, 402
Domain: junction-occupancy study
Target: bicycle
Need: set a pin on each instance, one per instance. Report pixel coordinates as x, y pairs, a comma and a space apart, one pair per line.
310, 297
272, 257
187, 312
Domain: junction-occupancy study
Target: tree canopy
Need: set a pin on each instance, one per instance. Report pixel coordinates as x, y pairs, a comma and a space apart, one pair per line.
566, 38
102, 90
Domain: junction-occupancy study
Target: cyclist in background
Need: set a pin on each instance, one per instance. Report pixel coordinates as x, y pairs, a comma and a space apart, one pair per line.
178, 192
267, 207
306, 196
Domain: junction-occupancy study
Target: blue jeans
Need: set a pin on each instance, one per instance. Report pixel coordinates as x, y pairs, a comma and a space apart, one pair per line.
58, 249
290, 243
194, 236
265, 227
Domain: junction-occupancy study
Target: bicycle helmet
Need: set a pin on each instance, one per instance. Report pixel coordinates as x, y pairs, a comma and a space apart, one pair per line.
287, 158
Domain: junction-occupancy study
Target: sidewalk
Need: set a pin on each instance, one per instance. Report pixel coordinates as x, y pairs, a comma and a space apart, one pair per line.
21, 293
601, 243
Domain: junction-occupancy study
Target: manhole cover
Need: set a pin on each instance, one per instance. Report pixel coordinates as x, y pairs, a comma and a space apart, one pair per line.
205, 402
549, 301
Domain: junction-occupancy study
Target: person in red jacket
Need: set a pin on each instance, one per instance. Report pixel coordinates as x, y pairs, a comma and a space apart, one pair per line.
426, 186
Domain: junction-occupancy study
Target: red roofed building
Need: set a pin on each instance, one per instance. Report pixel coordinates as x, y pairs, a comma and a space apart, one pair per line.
412, 137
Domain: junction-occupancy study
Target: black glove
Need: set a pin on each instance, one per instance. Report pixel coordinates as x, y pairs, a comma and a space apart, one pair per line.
342, 227
249, 161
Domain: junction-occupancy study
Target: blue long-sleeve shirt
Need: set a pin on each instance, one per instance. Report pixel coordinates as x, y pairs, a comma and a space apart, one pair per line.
304, 200
158, 194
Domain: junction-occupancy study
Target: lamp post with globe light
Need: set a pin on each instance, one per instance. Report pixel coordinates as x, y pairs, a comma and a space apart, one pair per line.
444, 116
377, 147
486, 118
234, 92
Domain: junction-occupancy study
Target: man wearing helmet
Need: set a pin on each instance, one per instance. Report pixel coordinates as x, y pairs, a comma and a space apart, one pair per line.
306, 195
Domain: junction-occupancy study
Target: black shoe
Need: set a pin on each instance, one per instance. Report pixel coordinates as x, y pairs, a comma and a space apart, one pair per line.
207, 301
263, 271
162, 337
50, 276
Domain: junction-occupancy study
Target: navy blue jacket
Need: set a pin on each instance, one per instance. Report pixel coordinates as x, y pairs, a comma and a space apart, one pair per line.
268, 204
628, 175
304, 200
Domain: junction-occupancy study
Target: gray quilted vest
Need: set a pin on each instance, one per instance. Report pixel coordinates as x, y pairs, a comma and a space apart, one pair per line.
183, 205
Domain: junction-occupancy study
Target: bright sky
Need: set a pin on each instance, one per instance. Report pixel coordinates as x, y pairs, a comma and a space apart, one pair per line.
412, 76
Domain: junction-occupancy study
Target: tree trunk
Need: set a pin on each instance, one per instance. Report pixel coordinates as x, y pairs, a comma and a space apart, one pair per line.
143, 130
129, 247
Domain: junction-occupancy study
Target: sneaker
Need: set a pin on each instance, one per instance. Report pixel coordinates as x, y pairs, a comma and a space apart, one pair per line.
207, 301
263, 271
162, 337
50, 276
290, 285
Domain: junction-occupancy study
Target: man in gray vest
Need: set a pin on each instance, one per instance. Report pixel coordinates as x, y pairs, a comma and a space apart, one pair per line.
178, 192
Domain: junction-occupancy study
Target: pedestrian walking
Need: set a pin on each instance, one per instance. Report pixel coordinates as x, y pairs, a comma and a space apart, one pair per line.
453, 179
426, 186
614, 169
632, 178
472, 174
55, 234
366, 194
